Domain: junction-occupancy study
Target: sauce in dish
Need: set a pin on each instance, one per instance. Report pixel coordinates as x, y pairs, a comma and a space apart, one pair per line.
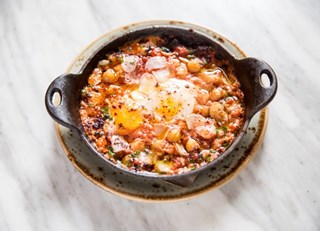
156, 105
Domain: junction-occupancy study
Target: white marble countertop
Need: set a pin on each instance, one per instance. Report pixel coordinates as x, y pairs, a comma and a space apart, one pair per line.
41, 189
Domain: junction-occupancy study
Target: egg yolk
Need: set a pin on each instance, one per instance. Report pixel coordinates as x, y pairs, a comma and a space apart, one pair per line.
126, 120
169, 108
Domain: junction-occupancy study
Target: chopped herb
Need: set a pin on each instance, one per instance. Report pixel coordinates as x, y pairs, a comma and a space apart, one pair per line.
224, 128
108, 117
121, 59
208, 158
225, 144
110, 151
164, 49
137, 153
105, 112
200, 159
193, 167
191, 52
212, 151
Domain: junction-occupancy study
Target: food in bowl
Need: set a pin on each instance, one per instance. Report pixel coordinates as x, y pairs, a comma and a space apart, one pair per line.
157, 105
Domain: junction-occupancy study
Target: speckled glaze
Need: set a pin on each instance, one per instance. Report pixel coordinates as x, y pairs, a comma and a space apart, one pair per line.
142, 188
145, 189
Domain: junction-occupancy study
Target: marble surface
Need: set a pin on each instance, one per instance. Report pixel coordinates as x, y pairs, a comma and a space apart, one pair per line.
41, 189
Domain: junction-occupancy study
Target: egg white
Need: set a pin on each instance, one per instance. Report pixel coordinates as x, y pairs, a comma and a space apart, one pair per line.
167, 99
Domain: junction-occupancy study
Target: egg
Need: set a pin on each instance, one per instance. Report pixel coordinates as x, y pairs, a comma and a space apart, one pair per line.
167, 99
126, 115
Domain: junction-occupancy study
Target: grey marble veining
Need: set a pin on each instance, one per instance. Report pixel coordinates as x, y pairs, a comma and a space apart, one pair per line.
41, 189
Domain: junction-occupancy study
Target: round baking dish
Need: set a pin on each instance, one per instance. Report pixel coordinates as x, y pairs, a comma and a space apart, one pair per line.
249, 72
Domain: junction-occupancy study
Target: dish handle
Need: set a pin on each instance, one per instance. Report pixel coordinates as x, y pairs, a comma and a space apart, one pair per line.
260, 81
60, 100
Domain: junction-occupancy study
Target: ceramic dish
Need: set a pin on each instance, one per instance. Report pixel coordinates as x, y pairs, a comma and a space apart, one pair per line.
99, 169
133, 188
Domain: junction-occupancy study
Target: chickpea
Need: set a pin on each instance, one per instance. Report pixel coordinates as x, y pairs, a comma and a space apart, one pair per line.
182, 70
203, 96
203, 110
118, 69
194, 65
113, 59
109, 76
159, 145
180, 149
174, 135
215, 108
192, 145
216, 94
210, 77
217, 112
205, 154
137, 145
104, 63
163, 167
127, 160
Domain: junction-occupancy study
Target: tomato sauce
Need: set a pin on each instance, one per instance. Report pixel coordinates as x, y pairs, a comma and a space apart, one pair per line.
157, 107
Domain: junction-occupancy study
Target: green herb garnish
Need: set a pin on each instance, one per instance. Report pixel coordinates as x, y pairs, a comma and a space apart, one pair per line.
135, 154
106, 114
225, 130
105, 110
164, 49
110, 151
191, 52
225, 144
121, 59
